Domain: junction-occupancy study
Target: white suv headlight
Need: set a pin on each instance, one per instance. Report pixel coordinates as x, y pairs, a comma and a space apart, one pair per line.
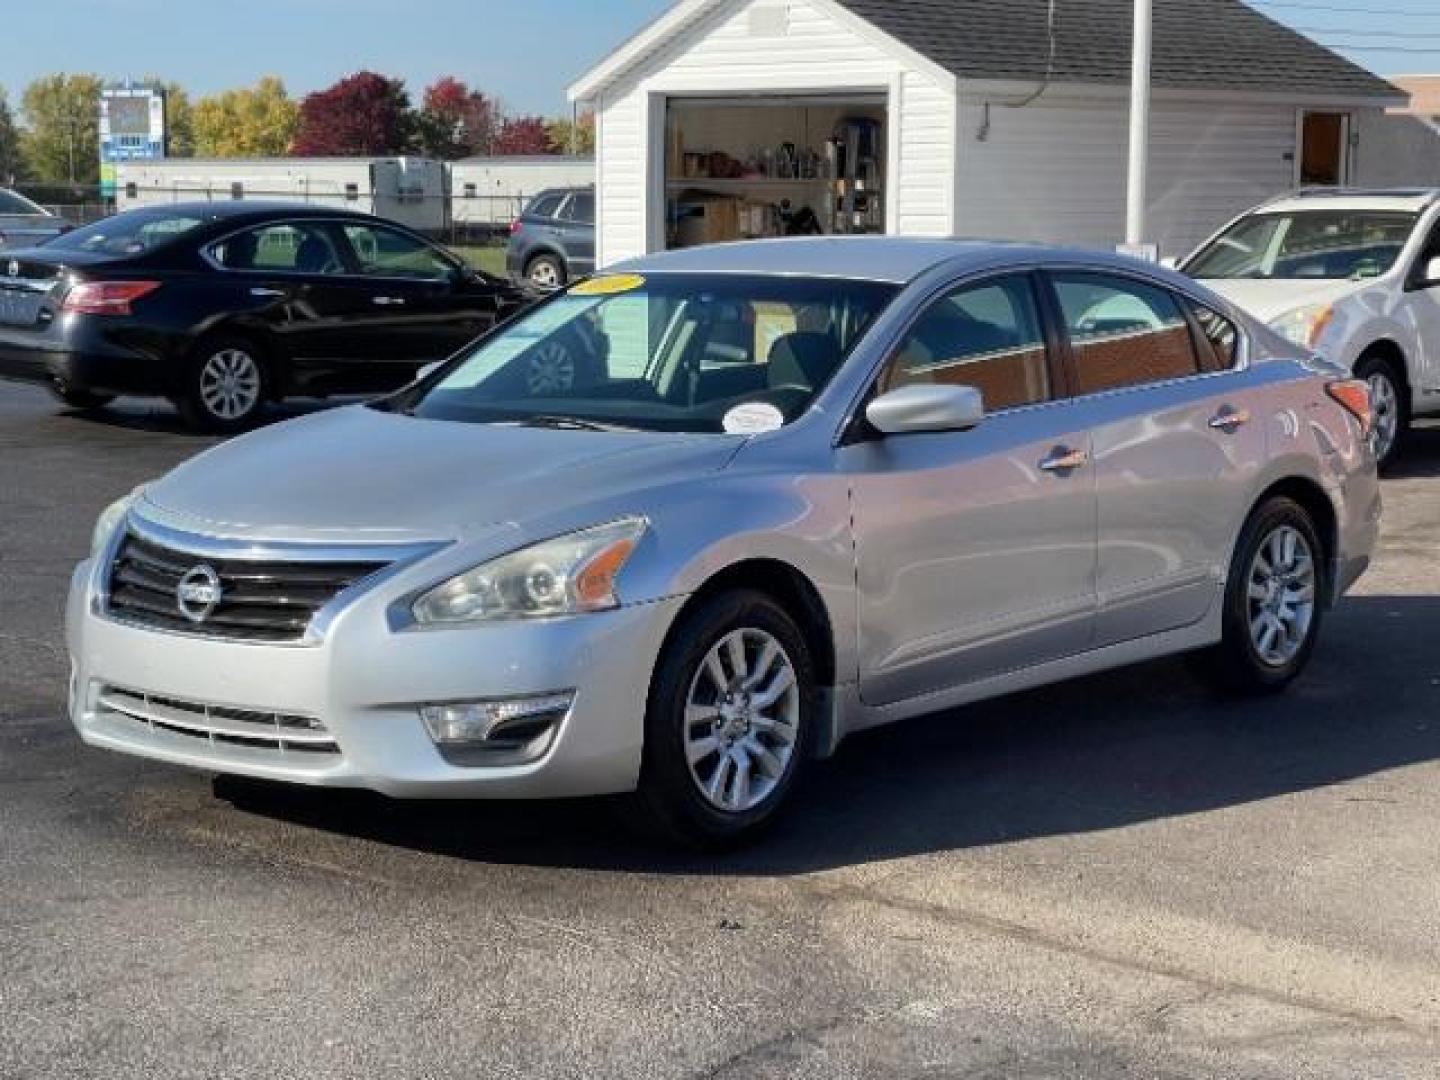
565, 576
110, 519
1306, 325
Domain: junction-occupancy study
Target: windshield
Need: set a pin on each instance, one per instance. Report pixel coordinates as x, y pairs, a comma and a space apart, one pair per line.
127, 234
1338, 244
682, 352
14, 203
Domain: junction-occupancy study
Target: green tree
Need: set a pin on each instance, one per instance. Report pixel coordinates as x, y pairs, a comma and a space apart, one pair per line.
61, 141
259, 121
9, 143
571, 137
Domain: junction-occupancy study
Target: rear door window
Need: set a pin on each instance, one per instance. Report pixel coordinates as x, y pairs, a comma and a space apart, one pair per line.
1123, 332
546, 206
288, 248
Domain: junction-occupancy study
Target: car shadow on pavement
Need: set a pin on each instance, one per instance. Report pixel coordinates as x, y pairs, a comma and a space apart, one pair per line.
1105, 752
1420, 456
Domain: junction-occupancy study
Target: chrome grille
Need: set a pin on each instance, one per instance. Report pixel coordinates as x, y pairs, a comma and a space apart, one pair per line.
284, 733
260, 600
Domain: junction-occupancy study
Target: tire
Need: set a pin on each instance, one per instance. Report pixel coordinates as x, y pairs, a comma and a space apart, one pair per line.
546, 272
1256, 654
225, 386
80, 399
1390, 398
689, 716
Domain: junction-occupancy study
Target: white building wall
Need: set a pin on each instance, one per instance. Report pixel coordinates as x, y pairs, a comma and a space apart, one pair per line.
1394, 150
752, 47
1054, 171
504, 185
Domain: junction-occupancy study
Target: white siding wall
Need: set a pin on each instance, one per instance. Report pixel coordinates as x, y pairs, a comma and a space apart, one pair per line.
1055, 170
1396, 151
730, 52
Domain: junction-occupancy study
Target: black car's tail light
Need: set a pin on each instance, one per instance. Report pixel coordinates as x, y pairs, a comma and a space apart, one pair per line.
1354, 396
106, 297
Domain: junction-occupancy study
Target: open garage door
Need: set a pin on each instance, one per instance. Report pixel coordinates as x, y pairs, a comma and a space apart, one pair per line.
750, 168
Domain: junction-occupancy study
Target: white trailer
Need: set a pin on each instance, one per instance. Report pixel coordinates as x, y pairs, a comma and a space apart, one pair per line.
408, 190
490, 192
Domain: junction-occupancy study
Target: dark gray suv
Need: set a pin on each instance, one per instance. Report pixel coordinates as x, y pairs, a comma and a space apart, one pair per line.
553, 240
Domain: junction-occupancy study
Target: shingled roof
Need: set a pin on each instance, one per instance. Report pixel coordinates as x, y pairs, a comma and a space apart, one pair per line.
1215, 44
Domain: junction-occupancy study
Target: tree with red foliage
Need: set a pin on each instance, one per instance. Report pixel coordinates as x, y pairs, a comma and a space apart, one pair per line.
523, 135
362, 114
455, 121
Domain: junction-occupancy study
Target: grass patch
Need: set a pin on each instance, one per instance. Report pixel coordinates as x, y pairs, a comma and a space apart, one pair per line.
490, 259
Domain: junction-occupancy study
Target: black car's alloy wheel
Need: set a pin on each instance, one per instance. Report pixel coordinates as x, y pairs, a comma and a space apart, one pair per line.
729, 721
225, 388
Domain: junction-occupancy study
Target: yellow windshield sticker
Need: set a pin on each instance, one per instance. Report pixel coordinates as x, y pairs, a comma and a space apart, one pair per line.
609, 285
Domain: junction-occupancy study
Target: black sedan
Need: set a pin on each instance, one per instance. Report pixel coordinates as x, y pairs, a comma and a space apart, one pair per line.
222, 307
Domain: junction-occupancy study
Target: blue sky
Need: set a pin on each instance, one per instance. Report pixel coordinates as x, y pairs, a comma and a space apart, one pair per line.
524, 51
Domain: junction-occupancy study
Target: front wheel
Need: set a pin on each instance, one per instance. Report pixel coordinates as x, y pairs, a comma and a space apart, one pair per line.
1389, 405
1273, 601
729, 721
224, 387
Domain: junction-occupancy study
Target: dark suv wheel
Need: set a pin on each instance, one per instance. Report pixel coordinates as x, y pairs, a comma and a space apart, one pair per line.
546, 272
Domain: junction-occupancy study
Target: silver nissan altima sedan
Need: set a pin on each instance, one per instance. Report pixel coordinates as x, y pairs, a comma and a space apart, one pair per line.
685, 525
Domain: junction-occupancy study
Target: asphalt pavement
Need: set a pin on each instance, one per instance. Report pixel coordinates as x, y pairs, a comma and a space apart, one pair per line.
1118, 877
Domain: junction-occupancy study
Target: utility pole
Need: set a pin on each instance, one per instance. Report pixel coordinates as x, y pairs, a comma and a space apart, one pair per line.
1139, 124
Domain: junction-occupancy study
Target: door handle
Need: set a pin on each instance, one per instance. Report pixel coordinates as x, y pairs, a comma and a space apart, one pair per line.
1064, 460
267, 294
1229, 419
388, 301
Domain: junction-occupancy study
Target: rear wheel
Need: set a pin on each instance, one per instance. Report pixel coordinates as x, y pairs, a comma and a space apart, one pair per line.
729, 721
225, 386
1273, 601
546, 272
80, 399
1390, 402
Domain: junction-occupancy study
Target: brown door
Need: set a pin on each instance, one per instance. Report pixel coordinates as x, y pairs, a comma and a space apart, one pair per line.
1322, 149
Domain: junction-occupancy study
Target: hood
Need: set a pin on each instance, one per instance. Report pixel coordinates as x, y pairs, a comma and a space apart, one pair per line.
360, 475
1267, 299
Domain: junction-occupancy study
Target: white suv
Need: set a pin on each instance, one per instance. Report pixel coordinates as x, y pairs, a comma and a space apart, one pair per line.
1354, 275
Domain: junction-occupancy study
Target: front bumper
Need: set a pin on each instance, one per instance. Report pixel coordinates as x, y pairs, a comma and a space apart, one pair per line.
365, 682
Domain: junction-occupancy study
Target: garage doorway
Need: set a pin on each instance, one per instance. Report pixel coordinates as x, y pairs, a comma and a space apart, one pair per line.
758, 167
1324, 149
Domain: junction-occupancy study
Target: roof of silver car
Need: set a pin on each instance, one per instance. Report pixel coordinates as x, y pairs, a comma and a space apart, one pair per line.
893, 259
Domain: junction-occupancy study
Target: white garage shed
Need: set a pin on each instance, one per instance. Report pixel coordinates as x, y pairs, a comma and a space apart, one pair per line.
998, 118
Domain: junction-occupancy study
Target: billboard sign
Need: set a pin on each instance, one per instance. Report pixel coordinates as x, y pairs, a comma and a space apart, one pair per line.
132, 128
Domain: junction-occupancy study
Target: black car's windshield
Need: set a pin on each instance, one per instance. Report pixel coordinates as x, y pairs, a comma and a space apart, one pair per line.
677, 352
1338, 244
133, 233
11, 203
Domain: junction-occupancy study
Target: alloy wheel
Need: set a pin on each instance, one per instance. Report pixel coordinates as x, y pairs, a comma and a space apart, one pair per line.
1281, 596
1385, 408
545, 274
230, 384
742, 720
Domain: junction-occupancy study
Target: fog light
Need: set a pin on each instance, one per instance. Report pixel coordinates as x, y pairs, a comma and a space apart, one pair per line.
513, 724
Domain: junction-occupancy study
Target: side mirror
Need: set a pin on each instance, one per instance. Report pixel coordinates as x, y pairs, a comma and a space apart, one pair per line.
428, 370
914, 409
1431, 274
1170, 262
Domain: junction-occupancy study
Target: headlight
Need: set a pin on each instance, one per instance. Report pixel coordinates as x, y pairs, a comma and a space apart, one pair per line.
110, 519
1306, 325
565, 576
